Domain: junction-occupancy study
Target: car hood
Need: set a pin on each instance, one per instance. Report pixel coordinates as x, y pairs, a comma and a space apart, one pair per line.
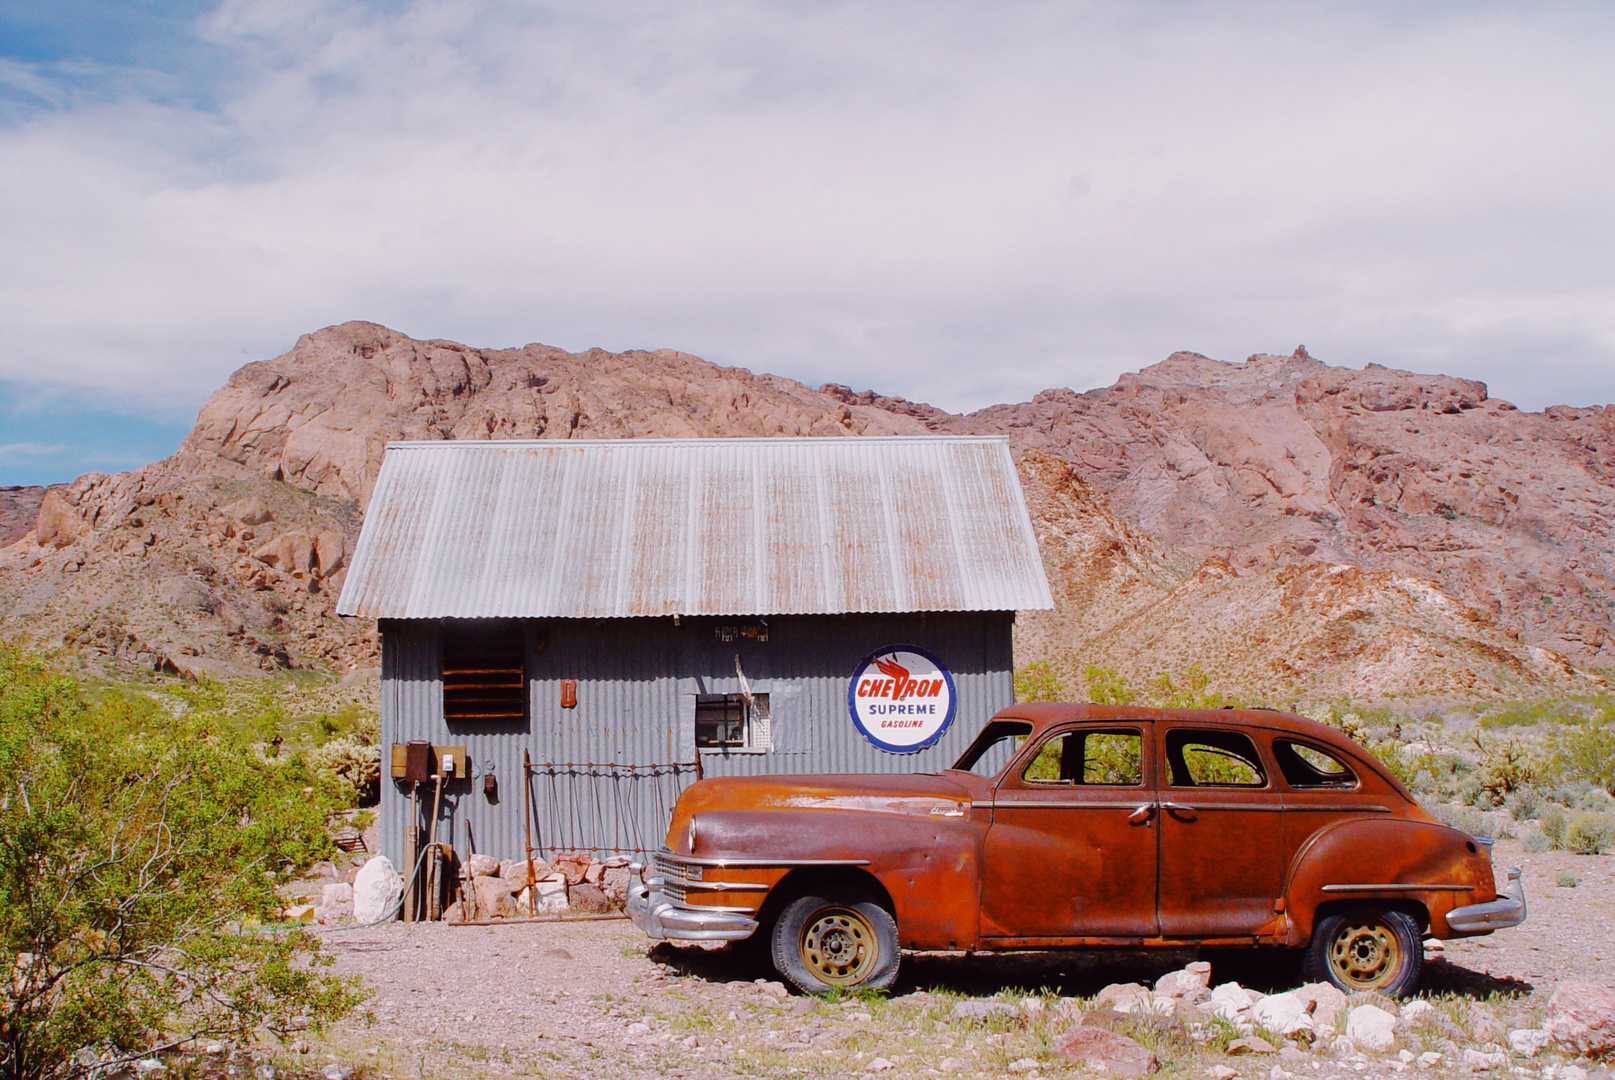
922, 794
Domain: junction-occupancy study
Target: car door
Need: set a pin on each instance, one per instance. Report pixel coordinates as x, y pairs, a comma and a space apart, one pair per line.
1072, 849
1222, 855
1322, 785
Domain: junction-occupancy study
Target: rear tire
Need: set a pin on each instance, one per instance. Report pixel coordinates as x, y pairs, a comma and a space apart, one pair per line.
1366, 949
838, 939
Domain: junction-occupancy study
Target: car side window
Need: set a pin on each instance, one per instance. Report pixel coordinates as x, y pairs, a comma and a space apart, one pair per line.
1112, 758
1213, 759
1305, 766
994, 748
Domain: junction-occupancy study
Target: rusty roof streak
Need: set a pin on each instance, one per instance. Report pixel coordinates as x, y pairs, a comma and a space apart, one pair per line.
648, 527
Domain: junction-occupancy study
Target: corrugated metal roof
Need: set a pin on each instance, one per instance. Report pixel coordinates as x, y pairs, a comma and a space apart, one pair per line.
645, 527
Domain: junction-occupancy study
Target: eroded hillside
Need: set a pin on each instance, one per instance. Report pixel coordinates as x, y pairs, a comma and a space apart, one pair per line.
1293, 528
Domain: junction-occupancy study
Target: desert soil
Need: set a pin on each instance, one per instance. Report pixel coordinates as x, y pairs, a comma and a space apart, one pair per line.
578, 999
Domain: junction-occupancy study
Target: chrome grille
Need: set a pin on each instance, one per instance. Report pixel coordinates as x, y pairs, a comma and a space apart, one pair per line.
674, 891
674, 868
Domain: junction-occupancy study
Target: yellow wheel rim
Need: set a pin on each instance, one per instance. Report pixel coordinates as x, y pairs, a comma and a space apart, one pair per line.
1365, 956
838, 946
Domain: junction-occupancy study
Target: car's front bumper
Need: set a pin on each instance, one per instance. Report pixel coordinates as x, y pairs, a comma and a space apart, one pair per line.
660, 918
1507, 910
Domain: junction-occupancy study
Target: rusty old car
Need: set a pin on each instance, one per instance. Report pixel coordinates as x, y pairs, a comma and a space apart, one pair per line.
1081, 826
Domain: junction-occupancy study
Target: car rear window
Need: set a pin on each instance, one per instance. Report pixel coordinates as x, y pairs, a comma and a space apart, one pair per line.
1090, 757
1213, 759
1306, 766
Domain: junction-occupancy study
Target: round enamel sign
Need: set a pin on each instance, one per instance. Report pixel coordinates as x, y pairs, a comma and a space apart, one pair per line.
901, 698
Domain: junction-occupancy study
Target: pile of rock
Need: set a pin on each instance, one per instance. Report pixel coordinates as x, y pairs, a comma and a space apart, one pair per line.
569, 882
1318, 1018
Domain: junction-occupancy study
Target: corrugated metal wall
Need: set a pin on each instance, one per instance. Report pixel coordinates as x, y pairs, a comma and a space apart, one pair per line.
637, 681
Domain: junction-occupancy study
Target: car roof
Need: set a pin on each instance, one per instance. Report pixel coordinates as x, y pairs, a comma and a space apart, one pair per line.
1044, 714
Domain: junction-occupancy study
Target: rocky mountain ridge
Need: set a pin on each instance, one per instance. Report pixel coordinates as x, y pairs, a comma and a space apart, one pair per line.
1297, 530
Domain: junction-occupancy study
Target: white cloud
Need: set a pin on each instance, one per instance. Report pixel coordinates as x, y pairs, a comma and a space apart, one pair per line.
956, 202
14, 450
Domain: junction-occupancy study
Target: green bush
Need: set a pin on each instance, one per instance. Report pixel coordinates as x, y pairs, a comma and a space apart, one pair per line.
135, 854
1567, 879
1105, 687
1589, 833
1587, 751
1038, 682
1536, 842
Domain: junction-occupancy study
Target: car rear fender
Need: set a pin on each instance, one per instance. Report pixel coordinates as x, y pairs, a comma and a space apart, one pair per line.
1423, 868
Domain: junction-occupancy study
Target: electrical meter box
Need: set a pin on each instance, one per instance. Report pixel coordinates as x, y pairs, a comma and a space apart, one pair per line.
451, 762
413, 762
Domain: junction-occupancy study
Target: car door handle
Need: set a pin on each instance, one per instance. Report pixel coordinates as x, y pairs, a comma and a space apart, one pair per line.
1142, 815
1179, 811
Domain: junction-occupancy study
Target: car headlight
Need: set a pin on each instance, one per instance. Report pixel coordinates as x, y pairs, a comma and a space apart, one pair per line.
690, 839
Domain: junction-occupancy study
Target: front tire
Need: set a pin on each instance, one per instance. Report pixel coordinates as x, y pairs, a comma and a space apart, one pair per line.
837, 940
1367, 949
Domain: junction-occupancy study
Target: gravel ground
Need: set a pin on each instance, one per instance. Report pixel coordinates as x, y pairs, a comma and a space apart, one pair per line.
580, 999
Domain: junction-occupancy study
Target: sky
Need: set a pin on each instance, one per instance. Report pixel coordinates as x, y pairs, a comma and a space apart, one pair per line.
956, 202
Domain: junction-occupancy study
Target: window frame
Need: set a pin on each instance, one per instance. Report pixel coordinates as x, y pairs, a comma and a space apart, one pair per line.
1138, 732
753, 715
1171, 757
1355, 783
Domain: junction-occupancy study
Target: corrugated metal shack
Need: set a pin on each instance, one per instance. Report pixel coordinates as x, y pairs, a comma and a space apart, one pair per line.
630, 614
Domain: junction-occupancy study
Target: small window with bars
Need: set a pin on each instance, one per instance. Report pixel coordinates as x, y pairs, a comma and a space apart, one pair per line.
729, 721
483, 674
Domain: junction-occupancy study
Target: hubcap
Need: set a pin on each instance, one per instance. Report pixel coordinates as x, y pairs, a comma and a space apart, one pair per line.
838, 946
1364, 956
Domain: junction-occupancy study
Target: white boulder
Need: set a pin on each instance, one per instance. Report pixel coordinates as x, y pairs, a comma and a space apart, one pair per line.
1189, 982
1230, 999
479, 866
1284, 1013
1581, 1016
376, 890
1371, 1028
1413, 1010
549, 896
1529, 1042
1324, 1001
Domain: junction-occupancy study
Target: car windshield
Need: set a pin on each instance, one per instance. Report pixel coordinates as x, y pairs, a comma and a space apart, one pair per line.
994, 747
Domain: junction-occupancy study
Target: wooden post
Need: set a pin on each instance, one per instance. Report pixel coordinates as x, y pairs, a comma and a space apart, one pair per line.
435, 880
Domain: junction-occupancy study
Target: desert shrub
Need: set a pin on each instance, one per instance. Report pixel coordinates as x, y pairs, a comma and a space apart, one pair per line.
1589, 833
1595, 798
134, 849
1463, 818
1553, 823
1525, 804
1567, 879
1586, 751
1105, 687
1504, 766
1038, 682
355, 766
1536, 842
